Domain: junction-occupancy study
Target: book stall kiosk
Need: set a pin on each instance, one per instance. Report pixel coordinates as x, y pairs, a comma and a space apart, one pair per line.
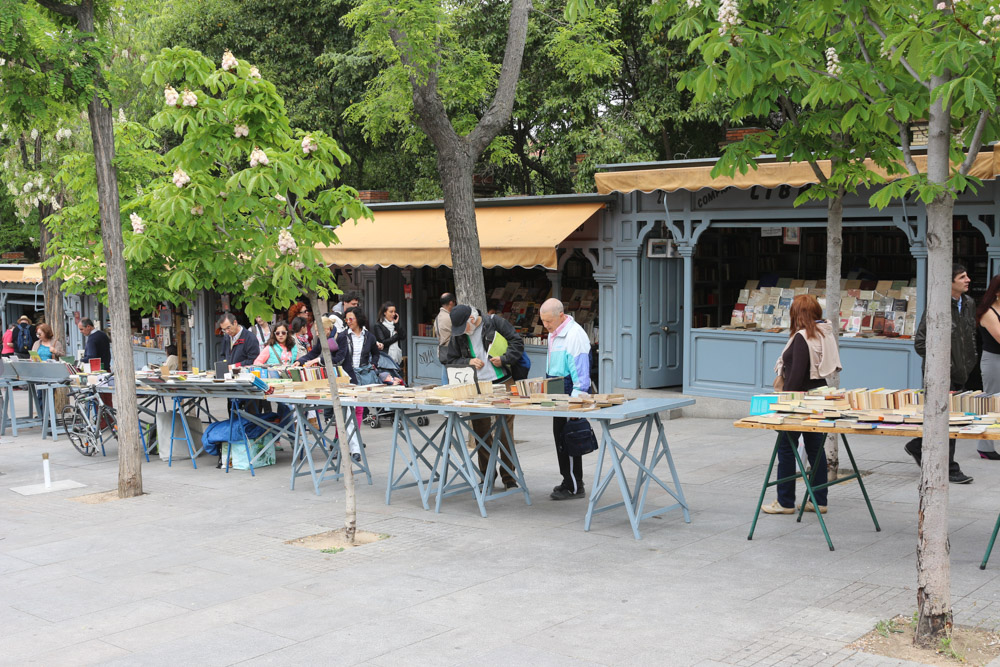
728, 232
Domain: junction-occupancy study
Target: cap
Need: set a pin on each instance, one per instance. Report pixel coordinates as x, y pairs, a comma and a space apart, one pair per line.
459, 316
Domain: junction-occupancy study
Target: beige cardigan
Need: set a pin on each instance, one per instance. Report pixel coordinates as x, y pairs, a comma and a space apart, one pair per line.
824, 353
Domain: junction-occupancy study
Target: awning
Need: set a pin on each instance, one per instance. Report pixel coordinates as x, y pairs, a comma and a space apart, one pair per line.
767, 175
29, 273
509, 236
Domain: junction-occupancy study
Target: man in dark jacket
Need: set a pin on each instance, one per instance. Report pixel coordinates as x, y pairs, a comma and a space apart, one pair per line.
963, 358
98, 344
472, 335
241, 347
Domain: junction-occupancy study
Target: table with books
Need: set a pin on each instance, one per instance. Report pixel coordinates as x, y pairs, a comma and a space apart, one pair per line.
973, 416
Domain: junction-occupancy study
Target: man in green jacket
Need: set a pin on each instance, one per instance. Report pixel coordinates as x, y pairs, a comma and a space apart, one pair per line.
963, 357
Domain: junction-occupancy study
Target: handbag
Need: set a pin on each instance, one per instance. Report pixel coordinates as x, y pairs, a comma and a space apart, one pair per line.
366, 376
577, 438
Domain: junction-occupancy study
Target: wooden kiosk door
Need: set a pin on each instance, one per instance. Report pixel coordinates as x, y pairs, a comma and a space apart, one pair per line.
661, 337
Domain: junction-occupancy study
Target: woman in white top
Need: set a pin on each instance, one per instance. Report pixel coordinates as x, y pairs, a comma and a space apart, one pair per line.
262, 330
389, 333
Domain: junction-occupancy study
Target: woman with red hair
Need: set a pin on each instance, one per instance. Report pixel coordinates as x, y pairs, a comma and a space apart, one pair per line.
809, 357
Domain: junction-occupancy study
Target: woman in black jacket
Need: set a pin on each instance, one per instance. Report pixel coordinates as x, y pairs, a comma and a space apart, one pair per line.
389, 333
358, 350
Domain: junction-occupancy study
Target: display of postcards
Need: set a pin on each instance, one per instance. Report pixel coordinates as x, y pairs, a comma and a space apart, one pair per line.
766, 321
785, 302
769, 309
886, 304
773, 301
899, 324
899, 305
867, 294
749, 316
878, 323
744, 295
854, 324
866, 322
757, 297
909, 326
787, 293
800, 290
737, 317
860, 305
786, 320
847, 303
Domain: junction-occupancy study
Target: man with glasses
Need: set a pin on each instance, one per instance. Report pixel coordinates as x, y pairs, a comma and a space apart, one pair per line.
241, 346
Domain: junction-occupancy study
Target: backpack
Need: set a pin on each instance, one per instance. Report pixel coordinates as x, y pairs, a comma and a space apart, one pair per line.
22, 341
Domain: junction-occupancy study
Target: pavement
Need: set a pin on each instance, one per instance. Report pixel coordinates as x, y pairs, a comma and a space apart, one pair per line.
197, 571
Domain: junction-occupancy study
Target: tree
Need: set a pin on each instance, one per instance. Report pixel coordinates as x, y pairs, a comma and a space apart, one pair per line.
246, 201
57, 59
438, 73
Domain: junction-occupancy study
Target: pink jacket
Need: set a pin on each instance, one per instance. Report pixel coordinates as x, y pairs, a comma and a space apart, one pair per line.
8, 342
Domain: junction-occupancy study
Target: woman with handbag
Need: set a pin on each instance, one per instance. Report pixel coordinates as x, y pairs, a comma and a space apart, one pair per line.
810, 356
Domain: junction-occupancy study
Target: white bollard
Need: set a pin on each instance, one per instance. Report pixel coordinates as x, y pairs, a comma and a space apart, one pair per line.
45, 471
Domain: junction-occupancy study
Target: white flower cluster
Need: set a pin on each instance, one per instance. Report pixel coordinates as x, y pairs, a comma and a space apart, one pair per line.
170, 96
280, 198
257, 156
34, 134
229, 61
992, 18
2, 62
121, 115
197, 210
247, 283
308, 145
189, 99
181, 178
298, 265
833, 67
693, 4
286, 243
63, 133
729, 16
138, 226
254, 72
241, 130
941, 6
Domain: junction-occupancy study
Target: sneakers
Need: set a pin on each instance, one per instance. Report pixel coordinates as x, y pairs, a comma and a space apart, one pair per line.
811, 508
959, 478
776, 508
562, 493
912, 452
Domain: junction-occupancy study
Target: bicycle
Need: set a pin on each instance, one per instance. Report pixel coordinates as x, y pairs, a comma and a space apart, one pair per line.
88, 422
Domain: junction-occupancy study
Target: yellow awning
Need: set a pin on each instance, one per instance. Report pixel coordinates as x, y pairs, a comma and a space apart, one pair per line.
509, 236
767, 175
29, 273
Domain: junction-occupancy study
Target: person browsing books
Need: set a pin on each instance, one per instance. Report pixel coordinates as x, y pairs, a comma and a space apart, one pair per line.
241, 345
98, 345
491, 346
963, 358
442, 329
568, 357
810, 356
988, 318
47, 346
280, 348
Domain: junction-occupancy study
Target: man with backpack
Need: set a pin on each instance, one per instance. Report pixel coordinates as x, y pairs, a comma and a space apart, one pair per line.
472, 337
24, 337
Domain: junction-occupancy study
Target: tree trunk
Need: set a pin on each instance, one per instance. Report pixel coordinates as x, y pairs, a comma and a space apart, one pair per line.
126, 405
834, 245
455, 172
346, 465
55, 313
933, 565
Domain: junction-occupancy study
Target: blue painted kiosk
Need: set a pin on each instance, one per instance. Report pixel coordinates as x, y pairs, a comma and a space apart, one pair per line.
685, 243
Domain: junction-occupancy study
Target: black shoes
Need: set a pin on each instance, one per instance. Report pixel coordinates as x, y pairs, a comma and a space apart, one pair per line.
992, 456
562, 493
959, 478
509, 484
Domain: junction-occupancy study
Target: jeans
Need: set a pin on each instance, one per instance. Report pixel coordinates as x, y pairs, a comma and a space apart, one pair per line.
787, 467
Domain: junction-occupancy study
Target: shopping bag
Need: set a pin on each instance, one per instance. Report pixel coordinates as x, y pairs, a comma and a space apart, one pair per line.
237, 453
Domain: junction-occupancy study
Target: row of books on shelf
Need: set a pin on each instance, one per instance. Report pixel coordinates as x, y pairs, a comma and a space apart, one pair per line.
887, 310
860, 409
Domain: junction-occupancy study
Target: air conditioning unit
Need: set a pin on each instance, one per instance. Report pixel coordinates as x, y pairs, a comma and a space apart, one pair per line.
661, 249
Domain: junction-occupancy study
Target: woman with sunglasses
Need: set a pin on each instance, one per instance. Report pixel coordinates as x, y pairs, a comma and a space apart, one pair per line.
280, 348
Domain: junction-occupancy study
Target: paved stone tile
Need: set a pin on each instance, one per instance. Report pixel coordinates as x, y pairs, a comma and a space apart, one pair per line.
222, 645
93, 652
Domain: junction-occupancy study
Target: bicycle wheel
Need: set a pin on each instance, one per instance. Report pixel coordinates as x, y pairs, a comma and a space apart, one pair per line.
76, 429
